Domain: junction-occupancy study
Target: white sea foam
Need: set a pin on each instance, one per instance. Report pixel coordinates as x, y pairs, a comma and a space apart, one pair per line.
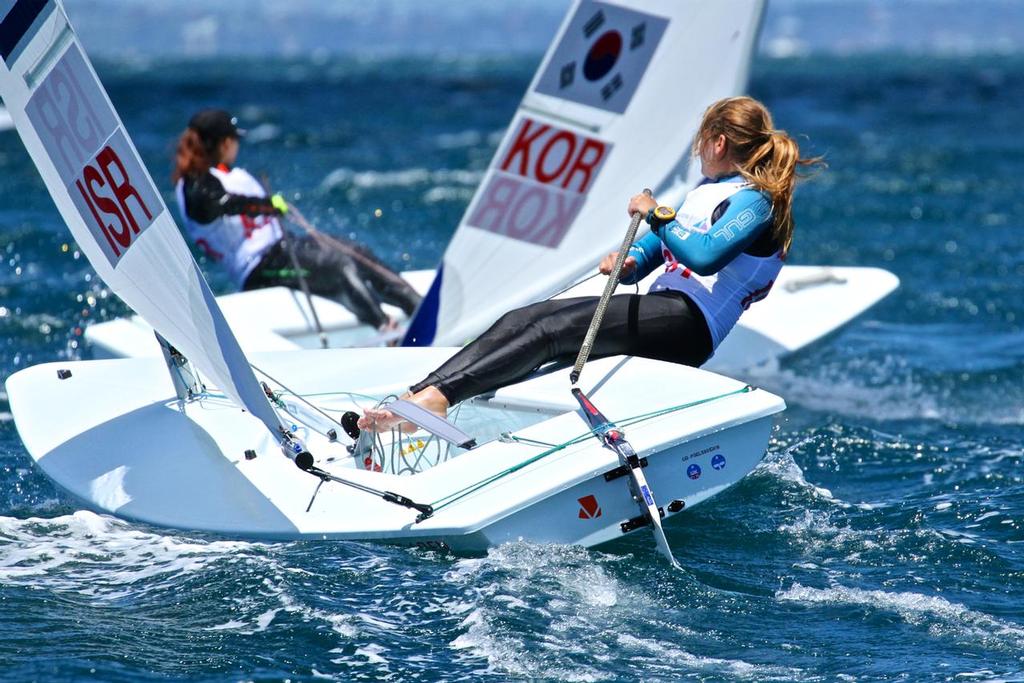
108, 559
941, 617
448, 193
781, 464
671, 658
372, 652
466, 138
508, 654
922, 375
99, 556
409, 177
899, 398
547, 612
263, 133
568, 589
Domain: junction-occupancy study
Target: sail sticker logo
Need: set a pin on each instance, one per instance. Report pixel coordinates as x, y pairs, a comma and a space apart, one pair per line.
693, 471
70, 114
92, 155
21, 21
602, 56
109, 190
647, 494
539, 183
589, 507
718, 461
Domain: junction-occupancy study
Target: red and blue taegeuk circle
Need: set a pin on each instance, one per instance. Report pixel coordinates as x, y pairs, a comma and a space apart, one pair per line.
603, 55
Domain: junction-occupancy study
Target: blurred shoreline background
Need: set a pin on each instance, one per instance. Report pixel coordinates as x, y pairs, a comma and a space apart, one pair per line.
321, 28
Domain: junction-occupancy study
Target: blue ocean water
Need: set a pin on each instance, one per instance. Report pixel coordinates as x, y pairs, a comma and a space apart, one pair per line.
880, 540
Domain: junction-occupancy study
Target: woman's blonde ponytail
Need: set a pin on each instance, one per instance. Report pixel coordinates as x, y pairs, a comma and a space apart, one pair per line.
767, 158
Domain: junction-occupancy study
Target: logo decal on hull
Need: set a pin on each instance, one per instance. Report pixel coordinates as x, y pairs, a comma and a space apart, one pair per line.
693, 471
647, 495
589, 507
718, 461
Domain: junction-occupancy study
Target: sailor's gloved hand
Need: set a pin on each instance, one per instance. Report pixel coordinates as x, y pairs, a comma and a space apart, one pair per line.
278, 202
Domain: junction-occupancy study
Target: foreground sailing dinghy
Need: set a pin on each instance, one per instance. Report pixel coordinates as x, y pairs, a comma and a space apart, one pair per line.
614, 104
200, 439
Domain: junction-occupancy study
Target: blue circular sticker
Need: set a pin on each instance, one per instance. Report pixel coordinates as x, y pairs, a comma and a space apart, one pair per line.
718, 462
693, 471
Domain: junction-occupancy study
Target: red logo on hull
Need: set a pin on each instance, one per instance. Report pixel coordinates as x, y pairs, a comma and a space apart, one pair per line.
589, 509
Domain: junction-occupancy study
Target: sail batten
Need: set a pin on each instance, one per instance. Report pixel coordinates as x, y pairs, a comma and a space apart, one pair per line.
108, 199
612, 109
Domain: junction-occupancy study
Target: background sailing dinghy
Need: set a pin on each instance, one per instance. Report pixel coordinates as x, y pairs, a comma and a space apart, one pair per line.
193, 440
614, 105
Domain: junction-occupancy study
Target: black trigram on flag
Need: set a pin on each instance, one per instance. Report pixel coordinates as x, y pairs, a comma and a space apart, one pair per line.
638, 36
613, 85
596, 22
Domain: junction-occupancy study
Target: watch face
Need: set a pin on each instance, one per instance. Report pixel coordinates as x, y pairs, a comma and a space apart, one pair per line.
665, 213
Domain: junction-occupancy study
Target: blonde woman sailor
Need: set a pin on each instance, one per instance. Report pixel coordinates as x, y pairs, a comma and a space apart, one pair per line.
722, 251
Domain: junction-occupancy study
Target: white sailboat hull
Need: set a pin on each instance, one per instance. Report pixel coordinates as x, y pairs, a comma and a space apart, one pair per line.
806, 304
113, 435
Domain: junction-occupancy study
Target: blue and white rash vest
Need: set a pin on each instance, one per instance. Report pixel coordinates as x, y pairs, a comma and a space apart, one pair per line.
703, 252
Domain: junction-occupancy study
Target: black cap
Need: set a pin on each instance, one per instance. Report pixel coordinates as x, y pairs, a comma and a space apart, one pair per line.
213, 125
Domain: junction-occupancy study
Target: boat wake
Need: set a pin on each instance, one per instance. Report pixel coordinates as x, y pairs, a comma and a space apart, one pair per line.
565, 613
940, 617
937, 372
102, 557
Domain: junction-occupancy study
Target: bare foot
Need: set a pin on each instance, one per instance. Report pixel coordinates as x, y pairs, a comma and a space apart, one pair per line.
381, 419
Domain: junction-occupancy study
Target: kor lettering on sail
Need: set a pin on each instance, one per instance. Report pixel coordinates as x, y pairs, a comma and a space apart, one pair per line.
539, 184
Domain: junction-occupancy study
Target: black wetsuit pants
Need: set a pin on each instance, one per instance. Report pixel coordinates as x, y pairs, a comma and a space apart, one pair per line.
663, 326
331, 273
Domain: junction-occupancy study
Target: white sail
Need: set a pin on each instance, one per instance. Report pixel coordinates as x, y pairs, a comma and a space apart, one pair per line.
107, 197
612, 109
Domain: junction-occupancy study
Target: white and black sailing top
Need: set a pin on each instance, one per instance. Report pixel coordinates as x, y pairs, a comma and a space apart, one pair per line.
228, 215
720, 251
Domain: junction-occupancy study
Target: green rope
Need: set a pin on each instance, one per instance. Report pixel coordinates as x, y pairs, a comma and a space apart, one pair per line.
445, 501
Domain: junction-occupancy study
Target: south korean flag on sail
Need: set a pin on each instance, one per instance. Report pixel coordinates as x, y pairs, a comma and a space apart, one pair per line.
602, 56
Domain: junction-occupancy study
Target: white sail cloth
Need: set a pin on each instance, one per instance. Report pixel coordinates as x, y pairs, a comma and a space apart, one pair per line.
612, 109
108, 199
